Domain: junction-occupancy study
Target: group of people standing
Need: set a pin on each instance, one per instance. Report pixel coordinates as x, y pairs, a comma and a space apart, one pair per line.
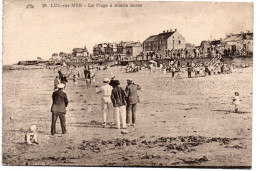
123, 102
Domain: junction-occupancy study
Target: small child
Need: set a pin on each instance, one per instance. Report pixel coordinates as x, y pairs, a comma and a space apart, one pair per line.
164, 70
236, 101
173, 71
31, 135
197, 71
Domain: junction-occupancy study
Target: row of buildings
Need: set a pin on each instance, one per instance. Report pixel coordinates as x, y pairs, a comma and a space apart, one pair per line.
122, 48
168, 44
171, 44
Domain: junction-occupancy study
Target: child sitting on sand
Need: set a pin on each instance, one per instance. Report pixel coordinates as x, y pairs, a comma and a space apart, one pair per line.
236, 101
31, 135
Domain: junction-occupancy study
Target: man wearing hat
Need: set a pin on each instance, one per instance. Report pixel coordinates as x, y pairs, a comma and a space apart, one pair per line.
106, 103
132, 100
118, 98
58, 108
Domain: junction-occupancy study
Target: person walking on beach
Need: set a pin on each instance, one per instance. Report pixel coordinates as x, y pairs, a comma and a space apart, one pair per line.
106, 102
189, 71
173, 69
86, 72
58, 109
207, 71
62, 78
92, 76
151, 68
56, 82
60, 75
75, 80
118, 98
79, 74
132, 99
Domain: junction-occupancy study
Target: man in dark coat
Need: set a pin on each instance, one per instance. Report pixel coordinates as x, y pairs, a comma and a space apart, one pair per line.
189, 71
118, 99
132, 100
86, 72
58, 108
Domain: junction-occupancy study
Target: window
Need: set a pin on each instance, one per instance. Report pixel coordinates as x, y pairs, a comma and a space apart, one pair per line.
244, 46
179, 42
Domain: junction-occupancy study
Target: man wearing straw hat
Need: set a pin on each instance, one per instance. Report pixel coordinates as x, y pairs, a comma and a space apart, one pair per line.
106, 102
58, 108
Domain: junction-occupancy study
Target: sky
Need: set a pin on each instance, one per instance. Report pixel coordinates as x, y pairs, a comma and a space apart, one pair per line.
40, 32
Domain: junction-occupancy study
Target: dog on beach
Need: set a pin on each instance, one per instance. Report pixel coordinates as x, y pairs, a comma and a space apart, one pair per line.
31, 135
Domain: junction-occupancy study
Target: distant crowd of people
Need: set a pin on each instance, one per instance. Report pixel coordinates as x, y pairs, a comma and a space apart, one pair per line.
174, 67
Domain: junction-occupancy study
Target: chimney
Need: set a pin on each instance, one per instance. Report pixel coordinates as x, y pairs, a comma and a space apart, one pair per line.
170, 30
163, 31
167, 31
175, 30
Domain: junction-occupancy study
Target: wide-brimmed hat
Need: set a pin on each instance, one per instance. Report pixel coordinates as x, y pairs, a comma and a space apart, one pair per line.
61, 85
129, 80
115, 82
106, 80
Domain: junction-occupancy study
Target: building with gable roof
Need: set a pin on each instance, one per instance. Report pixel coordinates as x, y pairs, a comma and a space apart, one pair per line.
105, 49
80, 52
164, 43
129, 48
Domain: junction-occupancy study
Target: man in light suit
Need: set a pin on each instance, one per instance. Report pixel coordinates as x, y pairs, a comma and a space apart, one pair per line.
132, 99
58, 108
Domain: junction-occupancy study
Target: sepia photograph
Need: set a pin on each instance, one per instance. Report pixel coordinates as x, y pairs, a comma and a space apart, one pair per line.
99, 83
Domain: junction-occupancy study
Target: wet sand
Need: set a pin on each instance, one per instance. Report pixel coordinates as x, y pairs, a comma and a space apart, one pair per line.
181, 122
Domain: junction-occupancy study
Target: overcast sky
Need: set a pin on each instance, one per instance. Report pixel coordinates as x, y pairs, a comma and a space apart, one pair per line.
29, 33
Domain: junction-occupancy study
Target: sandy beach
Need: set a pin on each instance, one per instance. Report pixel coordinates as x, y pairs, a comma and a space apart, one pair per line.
181, 122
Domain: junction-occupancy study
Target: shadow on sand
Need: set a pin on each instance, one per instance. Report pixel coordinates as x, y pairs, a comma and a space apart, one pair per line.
93, 124
230, 111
